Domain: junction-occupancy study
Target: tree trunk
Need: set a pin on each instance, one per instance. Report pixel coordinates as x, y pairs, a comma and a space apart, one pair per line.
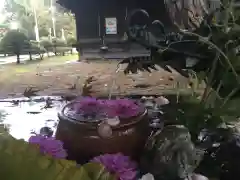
41, 56
18, 58
186, 14
30, 56
55, 50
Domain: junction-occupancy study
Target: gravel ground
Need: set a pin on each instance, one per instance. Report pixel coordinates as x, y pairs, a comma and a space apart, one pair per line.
59, 79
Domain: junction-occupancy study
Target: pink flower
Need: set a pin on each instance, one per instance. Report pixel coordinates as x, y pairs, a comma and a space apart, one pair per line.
49, 145
123, 108
88, 106
94, 108
119, 165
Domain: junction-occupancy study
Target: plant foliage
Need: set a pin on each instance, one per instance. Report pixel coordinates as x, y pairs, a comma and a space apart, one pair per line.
170, 154
20, 160
213, 50
214, 46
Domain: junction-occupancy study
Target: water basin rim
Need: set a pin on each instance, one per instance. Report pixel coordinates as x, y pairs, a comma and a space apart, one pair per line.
132, 120
96, 121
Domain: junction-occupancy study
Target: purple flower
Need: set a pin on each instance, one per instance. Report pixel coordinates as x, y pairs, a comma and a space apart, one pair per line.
119, 165
123, 108
88, 106
94, 108
49, 145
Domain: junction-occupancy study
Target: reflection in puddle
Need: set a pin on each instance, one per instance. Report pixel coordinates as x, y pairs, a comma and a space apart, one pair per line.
26, 117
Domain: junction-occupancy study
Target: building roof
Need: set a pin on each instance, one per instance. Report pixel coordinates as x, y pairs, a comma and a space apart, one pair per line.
69, 4
73, 4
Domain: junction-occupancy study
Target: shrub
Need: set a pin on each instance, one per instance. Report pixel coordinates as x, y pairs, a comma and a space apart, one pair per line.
60, 46
59, 42
71, 41
36, 49
14, 42
47, 44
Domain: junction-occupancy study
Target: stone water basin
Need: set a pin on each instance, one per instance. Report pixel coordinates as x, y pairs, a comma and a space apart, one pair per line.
23, 117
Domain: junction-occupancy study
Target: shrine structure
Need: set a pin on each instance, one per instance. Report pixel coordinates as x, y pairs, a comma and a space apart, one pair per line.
101, 23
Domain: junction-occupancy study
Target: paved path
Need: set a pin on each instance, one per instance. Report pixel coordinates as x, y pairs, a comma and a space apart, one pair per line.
13, 59
59, 79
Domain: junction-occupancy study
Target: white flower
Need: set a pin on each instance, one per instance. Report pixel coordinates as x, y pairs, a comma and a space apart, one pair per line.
147, 177
161, 101
198, 177
113, 121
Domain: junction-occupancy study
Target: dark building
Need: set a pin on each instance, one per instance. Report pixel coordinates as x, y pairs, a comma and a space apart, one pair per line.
91, 16
102, 22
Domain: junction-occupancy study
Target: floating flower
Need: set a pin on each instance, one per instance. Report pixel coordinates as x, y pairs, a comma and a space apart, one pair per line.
162, 101
49, 145
88, 106
93, 108
115, 121
147, 177
123, 108
119, 165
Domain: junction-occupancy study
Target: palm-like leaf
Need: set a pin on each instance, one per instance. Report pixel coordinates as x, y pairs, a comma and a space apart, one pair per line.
19, 160
87, 87
29, 92
203, 44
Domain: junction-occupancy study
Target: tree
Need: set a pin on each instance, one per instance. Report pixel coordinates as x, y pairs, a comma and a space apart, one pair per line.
21, 11
15, 42
34, 48
186, 14
44, 22
47, 44
67, 22
17, 12
14, 11
71, 41
64, 20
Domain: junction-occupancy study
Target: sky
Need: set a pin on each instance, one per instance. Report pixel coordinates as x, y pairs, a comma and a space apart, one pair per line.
2, 17
1, 4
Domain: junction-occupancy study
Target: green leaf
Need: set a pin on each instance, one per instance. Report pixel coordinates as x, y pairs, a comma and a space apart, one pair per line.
22, 161
97, 171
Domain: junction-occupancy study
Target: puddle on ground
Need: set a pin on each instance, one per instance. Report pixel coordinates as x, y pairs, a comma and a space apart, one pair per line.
23, 117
